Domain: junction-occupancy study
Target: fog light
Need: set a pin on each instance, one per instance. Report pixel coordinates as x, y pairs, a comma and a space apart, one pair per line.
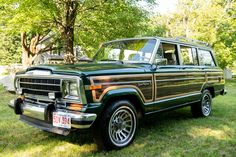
19, 91
51, 95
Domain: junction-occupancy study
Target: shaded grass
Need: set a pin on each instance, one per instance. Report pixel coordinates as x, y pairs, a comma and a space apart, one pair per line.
173, 133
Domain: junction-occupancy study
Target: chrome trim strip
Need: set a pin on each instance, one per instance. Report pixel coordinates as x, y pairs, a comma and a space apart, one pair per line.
214, 77
44, 84
53, 76
196, 73
166, 73
214, 72
127, 82
107, 77
177, 95
41, 90
180, 79
38, 97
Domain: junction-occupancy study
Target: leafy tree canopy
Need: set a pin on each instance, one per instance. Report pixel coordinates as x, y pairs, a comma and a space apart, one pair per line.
212, 21
88, 22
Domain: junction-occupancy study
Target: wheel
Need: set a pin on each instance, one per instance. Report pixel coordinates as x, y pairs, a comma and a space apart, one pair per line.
204, 107
117, 126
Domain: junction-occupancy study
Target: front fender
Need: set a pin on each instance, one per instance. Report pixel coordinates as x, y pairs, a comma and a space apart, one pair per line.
121, 92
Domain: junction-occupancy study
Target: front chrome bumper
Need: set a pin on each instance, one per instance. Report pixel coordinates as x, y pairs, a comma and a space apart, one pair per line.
35, 113
80, 120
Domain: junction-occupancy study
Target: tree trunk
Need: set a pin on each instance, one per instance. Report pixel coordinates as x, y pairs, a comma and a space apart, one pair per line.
68, 44
67, 30
25, 59
25, 51
29, 50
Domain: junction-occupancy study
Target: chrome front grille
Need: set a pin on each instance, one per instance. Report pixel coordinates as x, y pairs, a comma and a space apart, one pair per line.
39, 86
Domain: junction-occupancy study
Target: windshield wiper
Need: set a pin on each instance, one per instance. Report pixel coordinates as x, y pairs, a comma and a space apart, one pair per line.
113, 60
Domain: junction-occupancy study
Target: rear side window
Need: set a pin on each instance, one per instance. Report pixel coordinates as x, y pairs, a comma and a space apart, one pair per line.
188, 55
205, 58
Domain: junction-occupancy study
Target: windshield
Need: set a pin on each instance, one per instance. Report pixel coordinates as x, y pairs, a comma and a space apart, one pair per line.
135, 50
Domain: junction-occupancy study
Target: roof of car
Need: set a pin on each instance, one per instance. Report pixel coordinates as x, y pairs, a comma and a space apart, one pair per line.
187, 41
177, 40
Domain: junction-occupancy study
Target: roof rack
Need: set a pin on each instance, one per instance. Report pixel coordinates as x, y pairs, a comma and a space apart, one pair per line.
181, 38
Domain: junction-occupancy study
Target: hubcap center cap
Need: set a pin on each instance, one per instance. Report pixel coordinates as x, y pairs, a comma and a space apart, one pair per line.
120, 124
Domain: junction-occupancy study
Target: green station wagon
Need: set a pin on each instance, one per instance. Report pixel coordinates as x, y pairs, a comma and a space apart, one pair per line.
126, 80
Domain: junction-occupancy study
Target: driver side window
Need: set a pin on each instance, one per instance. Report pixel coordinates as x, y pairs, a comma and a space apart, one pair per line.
166, 54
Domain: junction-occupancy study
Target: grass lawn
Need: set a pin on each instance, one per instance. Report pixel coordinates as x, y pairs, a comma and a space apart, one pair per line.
173, 133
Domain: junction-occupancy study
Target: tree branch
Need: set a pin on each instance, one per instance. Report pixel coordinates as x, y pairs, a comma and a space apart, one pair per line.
58, 22
45, 34
49, 49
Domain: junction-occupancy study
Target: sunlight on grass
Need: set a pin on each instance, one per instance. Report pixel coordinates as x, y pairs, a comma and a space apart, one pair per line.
31, 151
166, 154
139, 145
208, 132
169, 134
53, 148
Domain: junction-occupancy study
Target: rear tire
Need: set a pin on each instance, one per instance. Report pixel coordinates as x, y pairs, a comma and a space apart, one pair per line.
204, 107
117, 126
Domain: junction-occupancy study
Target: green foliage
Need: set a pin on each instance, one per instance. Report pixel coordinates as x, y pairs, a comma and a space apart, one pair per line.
156, 26
212, 21
96, 21
10, 49
26, 15
114, 20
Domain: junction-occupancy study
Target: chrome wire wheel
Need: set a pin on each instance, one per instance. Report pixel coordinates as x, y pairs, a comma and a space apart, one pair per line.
206, 104
122, 126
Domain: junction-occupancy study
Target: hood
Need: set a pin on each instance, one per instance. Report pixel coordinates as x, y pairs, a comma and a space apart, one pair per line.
90, 69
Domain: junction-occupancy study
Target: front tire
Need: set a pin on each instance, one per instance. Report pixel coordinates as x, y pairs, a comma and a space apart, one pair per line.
204, 107
117, 126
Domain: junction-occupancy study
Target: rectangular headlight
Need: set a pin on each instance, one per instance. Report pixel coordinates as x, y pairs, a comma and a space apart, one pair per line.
70, 89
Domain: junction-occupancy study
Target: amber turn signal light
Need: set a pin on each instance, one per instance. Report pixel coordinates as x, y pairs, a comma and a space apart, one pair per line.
77, 107
93, 87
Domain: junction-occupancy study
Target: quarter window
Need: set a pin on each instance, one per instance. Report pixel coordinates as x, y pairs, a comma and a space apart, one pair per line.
189, 55
159, 56
205, 58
